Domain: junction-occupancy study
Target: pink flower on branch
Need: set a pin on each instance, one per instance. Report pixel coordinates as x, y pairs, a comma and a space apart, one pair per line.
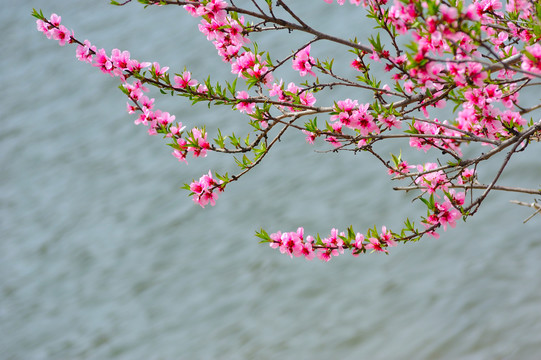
433, 179
303, 62
375, 245
62, 34
185, 80
531, 60
197, 143
401, 169
444, 214
203, 190
85, 52
244, 106
103, 62
158, 70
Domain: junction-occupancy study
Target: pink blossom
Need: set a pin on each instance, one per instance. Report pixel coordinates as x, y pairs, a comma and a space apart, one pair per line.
364, 121
198, 143
333, 141
337, 127
532, 61
457, 198
307, 98
386, 237
466, 176
326, 254
409, 86
302, 62
203, 190
243, 63
375, 245
310, 136
390, 120
55, 20
357, 64
475, 97
512, 118
276, 90
308, 250
358, 244
103, 62
291, 244
433, 180
185, 80
420, 143
43, 27
276, 240
62, 34
344, 110
476, 73
180, 153
130, 108
120, 59
334, 240
202, 88
85, 52
175, 130
244, 106
522, 7
402, 168
49, 28
444, 214
159, 71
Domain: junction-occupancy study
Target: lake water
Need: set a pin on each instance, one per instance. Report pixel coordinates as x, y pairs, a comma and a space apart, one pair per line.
102, 256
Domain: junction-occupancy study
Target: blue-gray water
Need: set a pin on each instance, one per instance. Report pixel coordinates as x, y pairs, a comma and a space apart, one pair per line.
103, 257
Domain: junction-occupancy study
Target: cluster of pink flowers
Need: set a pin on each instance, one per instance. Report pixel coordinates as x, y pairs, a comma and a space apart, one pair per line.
54, 30
445, 62
229, 36
226, 33
426, 128
251, 65
354, 116
153, 119
294, 244
198, 143
482, 117
120, 64
203, 190
442, 214
432, 179
288, 94
195, 142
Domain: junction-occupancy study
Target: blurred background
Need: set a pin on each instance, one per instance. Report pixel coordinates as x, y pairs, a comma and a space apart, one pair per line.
102, 256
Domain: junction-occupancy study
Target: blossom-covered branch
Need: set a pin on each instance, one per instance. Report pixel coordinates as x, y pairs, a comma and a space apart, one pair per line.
467, 63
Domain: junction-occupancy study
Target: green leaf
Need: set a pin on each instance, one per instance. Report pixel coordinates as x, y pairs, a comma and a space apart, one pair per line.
235, 141
220, 140
263, 235
232, 87
311, 125
351, 233
38, 15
